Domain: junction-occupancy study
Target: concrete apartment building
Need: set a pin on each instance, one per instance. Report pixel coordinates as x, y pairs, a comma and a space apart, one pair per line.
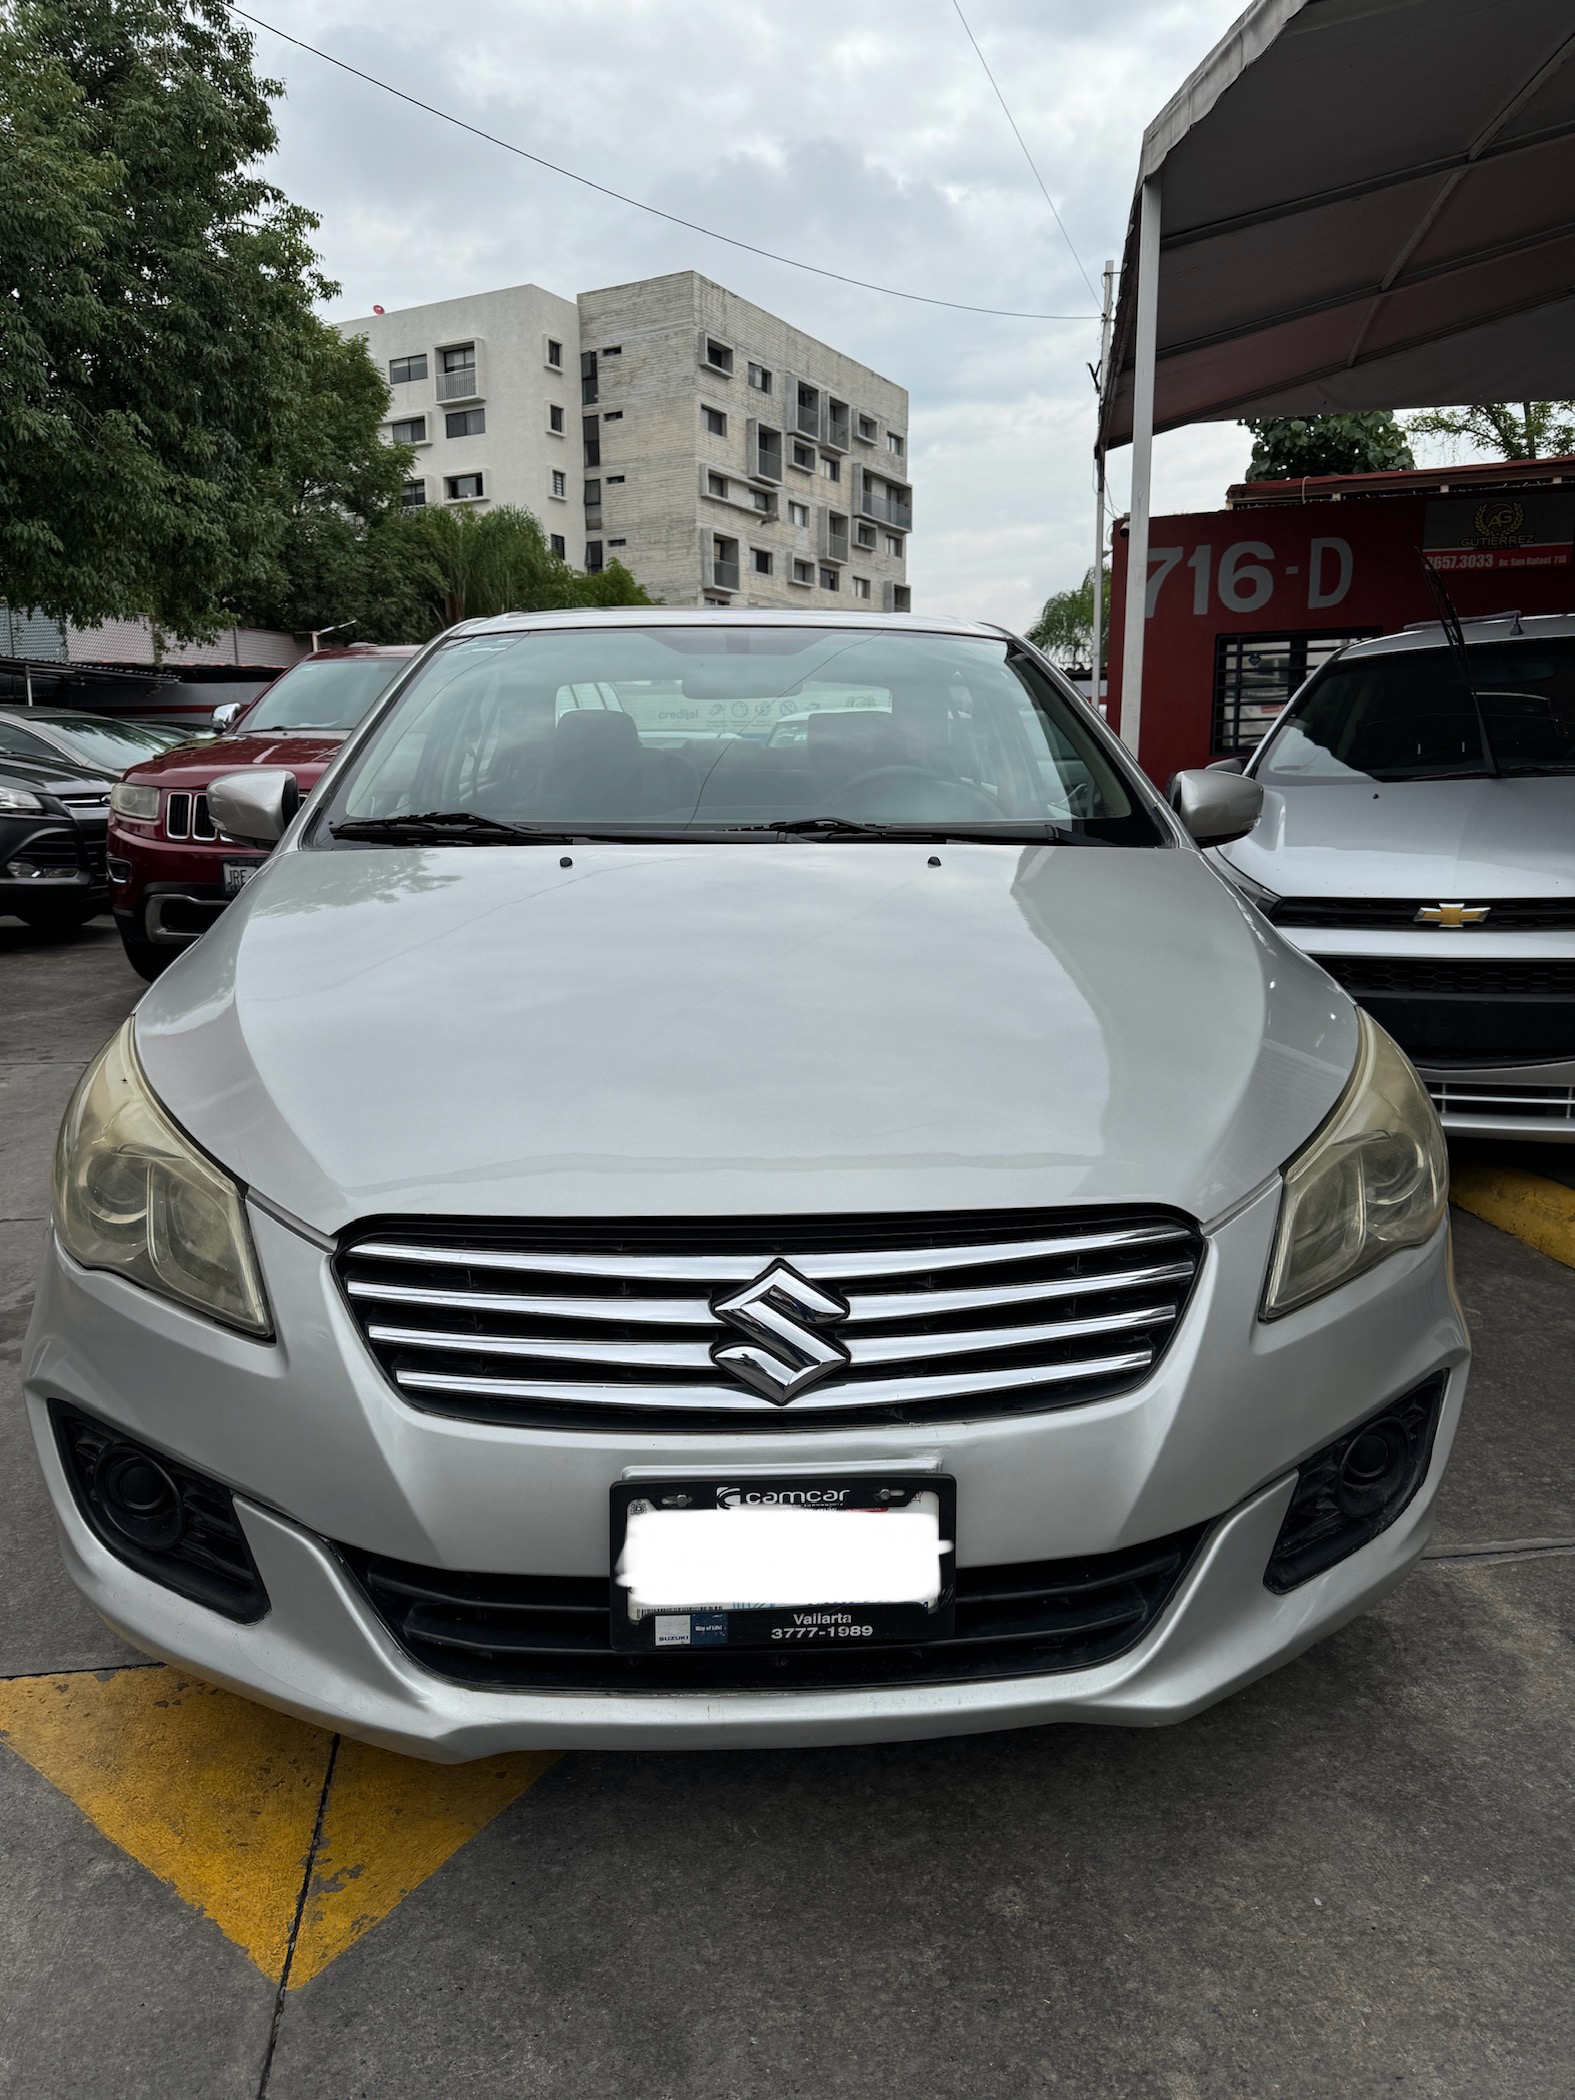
723, 456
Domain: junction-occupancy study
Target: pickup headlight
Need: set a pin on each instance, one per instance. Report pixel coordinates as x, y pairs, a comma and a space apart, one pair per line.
134, 1195
18, 799
126, 799
1374, 1179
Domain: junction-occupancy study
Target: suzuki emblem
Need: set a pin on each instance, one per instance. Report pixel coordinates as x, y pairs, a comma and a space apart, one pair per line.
781, 1312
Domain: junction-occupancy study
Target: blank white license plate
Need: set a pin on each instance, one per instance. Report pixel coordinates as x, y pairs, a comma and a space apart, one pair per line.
791, 1562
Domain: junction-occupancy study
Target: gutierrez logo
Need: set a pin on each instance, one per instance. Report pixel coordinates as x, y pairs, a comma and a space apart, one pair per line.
1500, 524
1451, 917
782, 1313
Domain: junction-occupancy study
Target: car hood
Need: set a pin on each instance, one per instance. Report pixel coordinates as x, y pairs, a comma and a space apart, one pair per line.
305, 751
678, 1029
1414, 838
55, 776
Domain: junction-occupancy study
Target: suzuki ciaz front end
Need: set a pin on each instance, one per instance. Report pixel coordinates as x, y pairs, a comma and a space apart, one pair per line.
635, 1231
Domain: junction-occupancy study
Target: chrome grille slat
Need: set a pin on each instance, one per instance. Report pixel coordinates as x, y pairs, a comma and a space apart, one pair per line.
740, 1268
585, 1323
725, 1401
694, 1356
696, 1312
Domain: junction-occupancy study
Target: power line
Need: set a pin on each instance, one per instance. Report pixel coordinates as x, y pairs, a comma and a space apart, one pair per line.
1026, 154
637, 203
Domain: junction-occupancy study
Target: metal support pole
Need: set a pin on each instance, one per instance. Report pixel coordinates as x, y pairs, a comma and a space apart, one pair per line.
1101, 379
1145, 332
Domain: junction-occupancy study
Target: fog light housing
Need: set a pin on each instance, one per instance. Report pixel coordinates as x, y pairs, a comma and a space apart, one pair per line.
119, 870
166, 1520
1355, 1488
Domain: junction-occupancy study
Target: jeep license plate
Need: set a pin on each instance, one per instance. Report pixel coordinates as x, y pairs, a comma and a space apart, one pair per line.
237, 873
790, 1561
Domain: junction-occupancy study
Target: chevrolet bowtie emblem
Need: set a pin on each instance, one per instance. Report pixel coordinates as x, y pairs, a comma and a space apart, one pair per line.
781, 1312
1446, 916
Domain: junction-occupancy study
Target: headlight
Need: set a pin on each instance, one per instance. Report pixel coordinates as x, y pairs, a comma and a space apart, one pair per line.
1375, 1179
126, 799
18, 798
133, 1194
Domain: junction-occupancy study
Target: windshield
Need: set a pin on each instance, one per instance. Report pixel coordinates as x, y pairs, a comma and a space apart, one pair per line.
1410, 717
114, 745
731, 728
331, 695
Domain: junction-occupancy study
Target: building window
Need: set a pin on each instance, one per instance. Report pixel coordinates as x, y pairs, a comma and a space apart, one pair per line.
764, 499
613, 350
587, 377
613, 415
593, 557
830, 579
831, 468
403, 369
560, 483
554, 354
413, 495
895, 442
803, 572
861, 586
865, 535
559, 545
868, 429
463, 488
760, 560
804, 456
714, 421
760, 378
724, 564
412, 431
798, 513
617, 543
1254, 676
555, 420
894, 545
612, 478
716, 485
901, 598
590, 430
465, 423
718, 356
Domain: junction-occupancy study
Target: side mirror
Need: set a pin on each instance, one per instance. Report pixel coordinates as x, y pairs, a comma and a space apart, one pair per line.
1215, 807
255, 804
1226, 765
223, 716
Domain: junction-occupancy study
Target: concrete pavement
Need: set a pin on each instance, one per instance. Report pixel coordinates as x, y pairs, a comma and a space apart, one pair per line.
1352, 1879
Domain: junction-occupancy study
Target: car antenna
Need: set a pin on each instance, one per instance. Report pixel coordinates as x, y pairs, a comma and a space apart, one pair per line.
1449, 620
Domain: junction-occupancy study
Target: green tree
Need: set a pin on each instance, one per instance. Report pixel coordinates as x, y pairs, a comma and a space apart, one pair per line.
450, 563
1507, 429
161, 367
1064, 630
1286, 447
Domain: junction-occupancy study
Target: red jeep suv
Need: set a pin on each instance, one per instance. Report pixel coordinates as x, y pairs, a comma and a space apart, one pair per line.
170, 873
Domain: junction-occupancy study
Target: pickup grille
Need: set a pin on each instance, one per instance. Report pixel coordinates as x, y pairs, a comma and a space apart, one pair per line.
589, 1324
550, 1632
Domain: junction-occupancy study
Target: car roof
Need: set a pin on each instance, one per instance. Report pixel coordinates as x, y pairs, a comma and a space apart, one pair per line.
722, 616
350, 651
1494, 627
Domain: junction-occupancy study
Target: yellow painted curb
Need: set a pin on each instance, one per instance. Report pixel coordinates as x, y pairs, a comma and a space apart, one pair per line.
1538, 1211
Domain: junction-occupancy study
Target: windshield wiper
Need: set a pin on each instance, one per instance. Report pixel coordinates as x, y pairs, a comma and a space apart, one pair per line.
1029, 833
449, 827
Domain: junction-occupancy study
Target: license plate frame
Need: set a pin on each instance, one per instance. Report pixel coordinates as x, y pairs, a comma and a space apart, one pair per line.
237, 873
783, 1628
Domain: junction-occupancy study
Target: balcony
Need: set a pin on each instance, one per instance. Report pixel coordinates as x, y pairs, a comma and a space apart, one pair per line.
887, 502
459, 386
764, 453
806, 410
833, 542
722, 575
834, 424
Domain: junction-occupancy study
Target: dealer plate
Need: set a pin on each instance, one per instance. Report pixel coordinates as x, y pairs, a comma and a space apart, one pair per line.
788, 1561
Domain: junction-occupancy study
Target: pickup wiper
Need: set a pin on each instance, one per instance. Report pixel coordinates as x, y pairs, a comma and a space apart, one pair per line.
1006, 834
449, 827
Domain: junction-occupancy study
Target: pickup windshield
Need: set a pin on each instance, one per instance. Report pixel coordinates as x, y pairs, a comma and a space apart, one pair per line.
676, 731
1410, 717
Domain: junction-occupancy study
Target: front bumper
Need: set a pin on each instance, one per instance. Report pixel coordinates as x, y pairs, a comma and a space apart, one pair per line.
319, 1448
63, 863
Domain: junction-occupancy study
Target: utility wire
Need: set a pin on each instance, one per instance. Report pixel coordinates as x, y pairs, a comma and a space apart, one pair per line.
1026, 154
638, 204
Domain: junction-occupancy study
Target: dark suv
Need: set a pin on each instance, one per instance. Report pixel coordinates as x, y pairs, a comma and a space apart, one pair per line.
53, 816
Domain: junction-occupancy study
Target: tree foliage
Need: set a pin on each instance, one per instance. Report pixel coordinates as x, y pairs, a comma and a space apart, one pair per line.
1286, 447
1507, 429
179, 433
1064, 630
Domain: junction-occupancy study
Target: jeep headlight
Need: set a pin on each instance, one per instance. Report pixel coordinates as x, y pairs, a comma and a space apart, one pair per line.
134, 1195
127, 799
1374, 1179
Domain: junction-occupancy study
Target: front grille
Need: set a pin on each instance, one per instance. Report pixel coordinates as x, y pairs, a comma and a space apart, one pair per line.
549, 1632
58, 851
1489, 1097
1364, 914
186, 817
1467, 977
591, 1324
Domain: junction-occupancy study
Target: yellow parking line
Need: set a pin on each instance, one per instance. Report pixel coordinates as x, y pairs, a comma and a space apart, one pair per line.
1538, 1211
222, 1799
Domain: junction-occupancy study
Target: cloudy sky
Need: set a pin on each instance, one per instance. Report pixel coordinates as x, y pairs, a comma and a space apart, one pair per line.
862, 137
